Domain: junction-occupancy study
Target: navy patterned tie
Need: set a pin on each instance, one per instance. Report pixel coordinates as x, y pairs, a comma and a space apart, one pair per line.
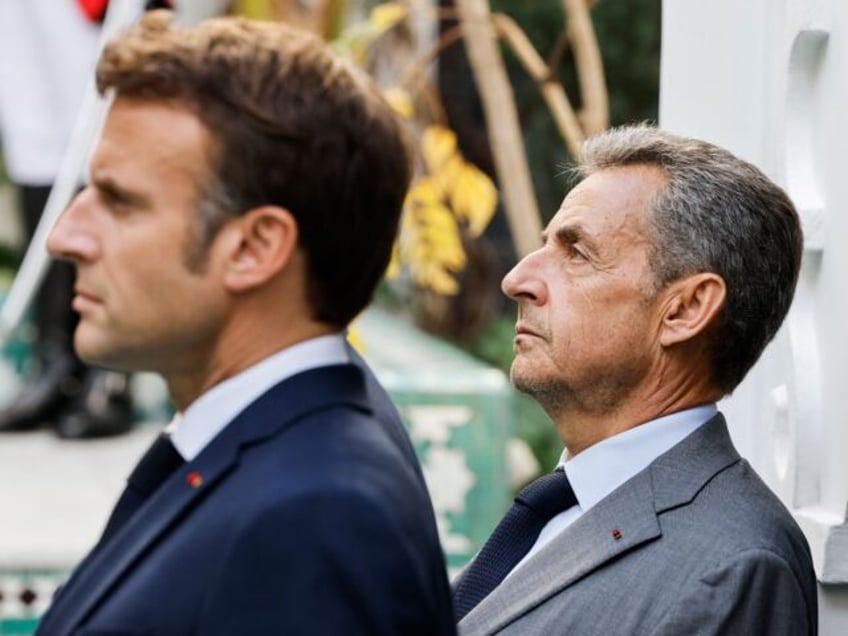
160, 460
513, 537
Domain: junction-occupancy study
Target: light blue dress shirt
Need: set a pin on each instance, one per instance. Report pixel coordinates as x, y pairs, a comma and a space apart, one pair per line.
602, 468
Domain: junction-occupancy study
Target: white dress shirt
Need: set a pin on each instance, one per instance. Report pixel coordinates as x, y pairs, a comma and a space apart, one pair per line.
209, 414
600, 469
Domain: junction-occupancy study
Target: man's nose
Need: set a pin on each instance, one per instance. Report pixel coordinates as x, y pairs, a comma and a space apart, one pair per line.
524, 282
70, 238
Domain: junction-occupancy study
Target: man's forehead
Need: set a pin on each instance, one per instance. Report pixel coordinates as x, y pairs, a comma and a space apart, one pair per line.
609, 198
150, 136
585, 215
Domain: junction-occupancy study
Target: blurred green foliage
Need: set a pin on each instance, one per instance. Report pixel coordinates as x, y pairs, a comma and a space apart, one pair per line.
10, 257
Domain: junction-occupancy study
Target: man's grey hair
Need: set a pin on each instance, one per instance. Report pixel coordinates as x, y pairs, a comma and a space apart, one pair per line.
720, 214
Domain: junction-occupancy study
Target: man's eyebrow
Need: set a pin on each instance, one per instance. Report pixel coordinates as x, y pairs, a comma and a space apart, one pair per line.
108, 186
568, 233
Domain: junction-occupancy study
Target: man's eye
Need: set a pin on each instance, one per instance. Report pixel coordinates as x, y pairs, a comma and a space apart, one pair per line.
113, 199
576, 252
109, 196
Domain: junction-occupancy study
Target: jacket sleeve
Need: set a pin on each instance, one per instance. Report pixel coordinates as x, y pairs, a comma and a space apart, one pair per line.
755, 592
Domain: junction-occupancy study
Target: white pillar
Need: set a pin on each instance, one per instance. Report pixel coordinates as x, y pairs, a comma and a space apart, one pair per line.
766, 79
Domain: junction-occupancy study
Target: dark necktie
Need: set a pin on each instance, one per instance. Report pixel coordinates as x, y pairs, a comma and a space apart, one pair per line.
160, 460
513, 537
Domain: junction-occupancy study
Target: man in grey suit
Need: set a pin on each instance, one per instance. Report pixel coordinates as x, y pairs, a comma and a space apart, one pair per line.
662, 277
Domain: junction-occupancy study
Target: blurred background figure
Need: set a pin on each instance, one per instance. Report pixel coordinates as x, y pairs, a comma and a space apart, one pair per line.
47, 54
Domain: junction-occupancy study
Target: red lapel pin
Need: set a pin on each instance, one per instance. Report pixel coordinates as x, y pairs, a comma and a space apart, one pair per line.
616, 534
194, 479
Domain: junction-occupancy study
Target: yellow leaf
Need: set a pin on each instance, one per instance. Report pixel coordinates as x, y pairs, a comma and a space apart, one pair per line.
355, 339
473, 197
400, 101
445, 176
429, 244
436, 229
423, 192
441, 282
435, 216
253, 9
393, 269
438, 145
451, 255
385, 16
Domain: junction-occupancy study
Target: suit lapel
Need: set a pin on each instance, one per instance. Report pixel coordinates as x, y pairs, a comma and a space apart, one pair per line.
622, 521
280, 408
98, 575
559, 564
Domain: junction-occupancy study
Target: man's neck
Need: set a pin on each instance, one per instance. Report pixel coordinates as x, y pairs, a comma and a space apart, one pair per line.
243, 348
579, 429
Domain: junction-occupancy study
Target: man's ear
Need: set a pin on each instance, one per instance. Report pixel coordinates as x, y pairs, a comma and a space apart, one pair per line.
692, 305
260, 244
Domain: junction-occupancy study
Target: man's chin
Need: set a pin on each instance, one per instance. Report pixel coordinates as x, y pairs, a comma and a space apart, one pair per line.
116, 358
532, 384
522, 381
96, 353
95, 359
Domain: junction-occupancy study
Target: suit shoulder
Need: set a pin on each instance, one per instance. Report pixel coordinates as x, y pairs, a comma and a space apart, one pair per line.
746, 500
333, 453
735, 516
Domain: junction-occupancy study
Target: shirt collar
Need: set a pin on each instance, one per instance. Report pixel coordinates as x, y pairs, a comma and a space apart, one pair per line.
207, 416
600, 469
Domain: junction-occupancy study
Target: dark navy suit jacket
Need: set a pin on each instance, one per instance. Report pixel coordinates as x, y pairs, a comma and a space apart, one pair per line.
312, 518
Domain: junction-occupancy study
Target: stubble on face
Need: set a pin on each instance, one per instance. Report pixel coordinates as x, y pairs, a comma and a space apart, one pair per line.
596, 389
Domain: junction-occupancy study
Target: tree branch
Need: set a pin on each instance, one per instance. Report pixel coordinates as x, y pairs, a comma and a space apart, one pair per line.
590, 69
503, 125
552, 91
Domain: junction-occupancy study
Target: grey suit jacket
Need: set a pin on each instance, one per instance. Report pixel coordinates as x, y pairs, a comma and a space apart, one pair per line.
694, 544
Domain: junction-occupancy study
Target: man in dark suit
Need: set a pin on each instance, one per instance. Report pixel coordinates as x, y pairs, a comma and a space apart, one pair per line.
242, 205
662, 277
